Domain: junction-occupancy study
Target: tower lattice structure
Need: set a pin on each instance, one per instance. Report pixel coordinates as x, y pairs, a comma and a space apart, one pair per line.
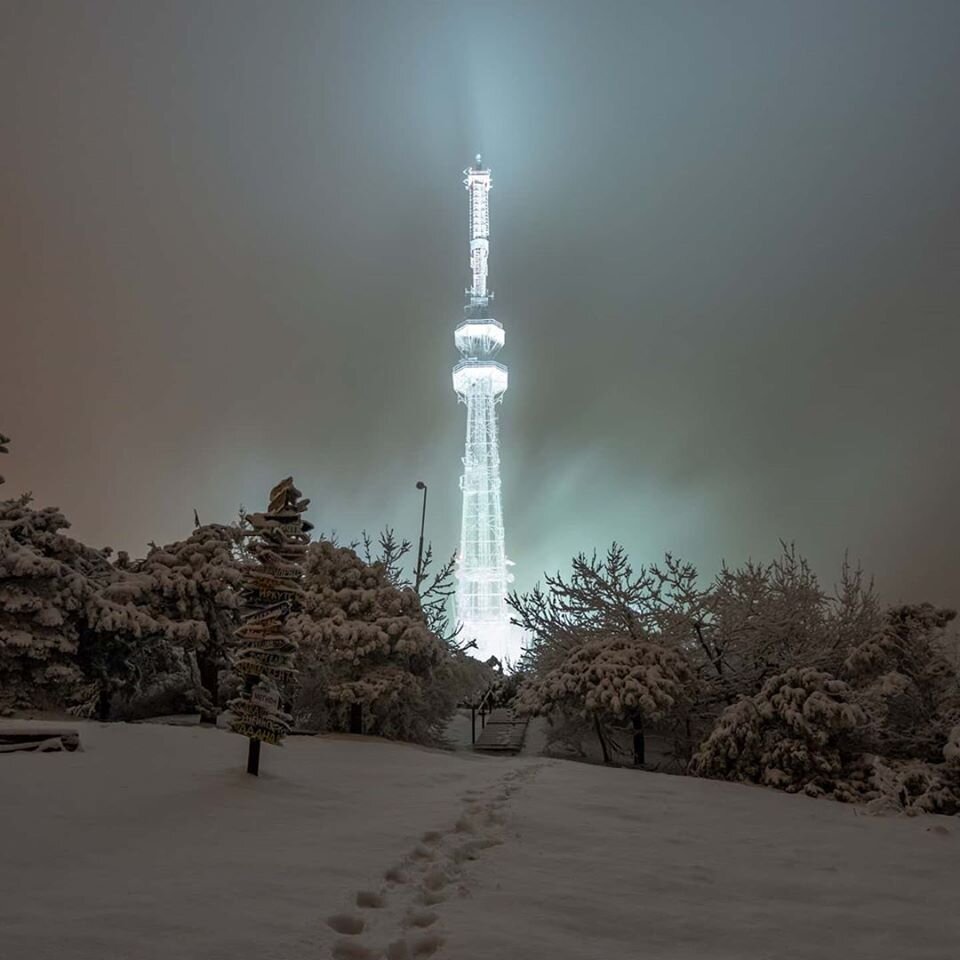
480, 382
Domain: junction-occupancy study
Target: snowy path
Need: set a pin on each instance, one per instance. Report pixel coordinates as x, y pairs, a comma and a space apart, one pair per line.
153, 843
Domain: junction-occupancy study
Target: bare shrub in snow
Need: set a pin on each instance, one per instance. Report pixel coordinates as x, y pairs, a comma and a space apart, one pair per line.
762, 619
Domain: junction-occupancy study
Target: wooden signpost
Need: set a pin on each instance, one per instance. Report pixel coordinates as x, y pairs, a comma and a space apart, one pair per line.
264, 651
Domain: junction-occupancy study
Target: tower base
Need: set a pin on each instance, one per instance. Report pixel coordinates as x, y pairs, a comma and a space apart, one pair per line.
500, 639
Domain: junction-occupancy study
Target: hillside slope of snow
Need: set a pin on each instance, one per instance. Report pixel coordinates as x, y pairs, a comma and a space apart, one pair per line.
154, 843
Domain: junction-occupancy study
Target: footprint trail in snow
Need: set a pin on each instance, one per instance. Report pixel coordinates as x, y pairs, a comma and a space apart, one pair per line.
402, 919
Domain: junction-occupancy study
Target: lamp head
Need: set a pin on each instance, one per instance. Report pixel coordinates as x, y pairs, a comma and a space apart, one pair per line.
421, 485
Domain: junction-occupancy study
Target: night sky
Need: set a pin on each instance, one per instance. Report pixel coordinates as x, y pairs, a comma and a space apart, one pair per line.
725, 248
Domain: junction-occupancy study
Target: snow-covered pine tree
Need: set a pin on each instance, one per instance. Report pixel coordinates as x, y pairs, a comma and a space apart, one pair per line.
802, 731
370, 663
265, 646
44, 585
434, 587
69, 634
196, 582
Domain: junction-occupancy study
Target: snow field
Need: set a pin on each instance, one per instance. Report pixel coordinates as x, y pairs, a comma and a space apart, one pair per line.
154, 843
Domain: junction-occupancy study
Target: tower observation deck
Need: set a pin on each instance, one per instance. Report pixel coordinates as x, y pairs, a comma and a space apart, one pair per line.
480, 382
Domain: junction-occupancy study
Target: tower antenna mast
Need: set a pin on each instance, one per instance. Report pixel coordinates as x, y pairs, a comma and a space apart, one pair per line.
480, 382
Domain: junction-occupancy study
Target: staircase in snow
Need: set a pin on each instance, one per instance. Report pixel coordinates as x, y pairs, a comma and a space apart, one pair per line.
503, 733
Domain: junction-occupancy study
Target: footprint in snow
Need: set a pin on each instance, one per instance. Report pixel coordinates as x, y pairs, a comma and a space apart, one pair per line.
466, 824
422, 947
427, 946
351, 950
430, 898
421, 918
399, 950
346, 923
370, 898
467, 851
396, 875
435, 880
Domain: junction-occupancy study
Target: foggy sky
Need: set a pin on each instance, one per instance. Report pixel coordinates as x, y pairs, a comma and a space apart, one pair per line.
725, 248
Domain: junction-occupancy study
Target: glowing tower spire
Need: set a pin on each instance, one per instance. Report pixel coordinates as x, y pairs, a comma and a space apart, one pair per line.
480, 382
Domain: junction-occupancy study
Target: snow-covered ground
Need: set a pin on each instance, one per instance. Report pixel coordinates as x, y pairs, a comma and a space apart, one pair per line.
154, 843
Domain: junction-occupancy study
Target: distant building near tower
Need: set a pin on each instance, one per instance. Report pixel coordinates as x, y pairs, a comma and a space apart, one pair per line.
480, 382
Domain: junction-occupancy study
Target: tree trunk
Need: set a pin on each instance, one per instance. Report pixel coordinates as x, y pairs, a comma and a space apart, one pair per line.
639, 746
356, 718
601, 738
103, 703
209, 669
253, 758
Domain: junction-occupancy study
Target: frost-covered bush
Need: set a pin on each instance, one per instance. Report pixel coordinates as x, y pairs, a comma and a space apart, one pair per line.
802, 731
168, 684
907, 683
913, 787
367, 654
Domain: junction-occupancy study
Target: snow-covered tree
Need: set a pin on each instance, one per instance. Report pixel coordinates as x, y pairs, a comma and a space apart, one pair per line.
907, 682
602, 597
45, 584
609, 645
369, 661
762, 619
434, 586
614, 681
802, 731
69, 634
195, 583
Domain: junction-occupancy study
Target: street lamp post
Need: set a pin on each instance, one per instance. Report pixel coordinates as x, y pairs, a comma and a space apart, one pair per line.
423, 519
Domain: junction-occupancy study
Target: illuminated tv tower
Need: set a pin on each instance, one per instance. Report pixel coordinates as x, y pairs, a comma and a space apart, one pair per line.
480, 381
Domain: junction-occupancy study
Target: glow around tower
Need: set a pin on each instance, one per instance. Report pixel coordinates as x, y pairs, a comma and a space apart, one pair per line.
480, 382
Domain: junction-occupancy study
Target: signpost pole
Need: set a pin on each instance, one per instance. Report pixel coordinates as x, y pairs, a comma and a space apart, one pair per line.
253, 758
